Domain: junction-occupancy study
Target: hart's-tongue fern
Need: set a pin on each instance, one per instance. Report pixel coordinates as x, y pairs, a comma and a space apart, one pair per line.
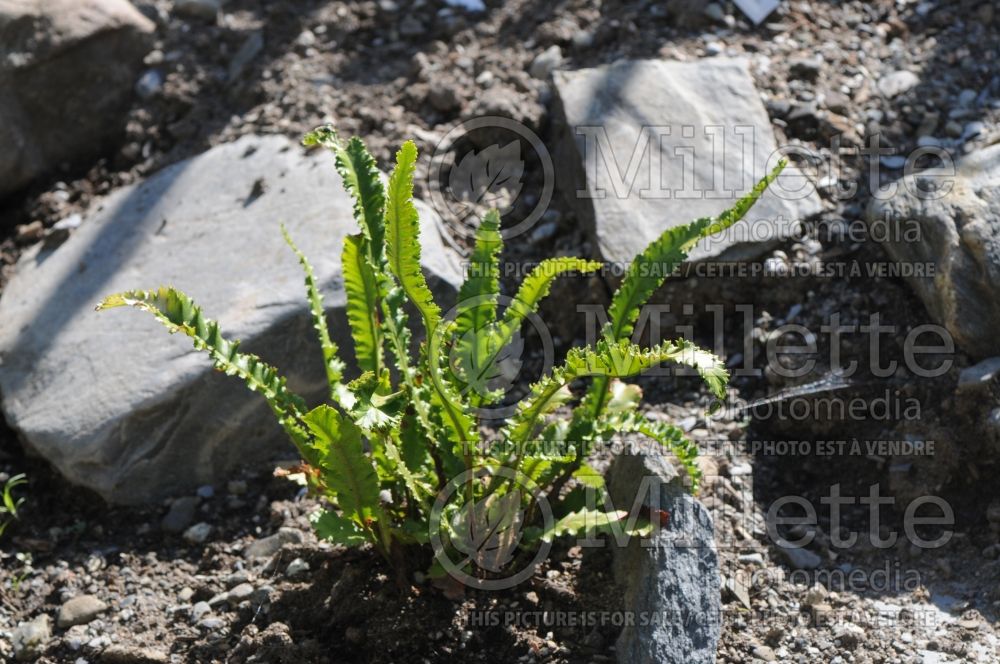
390, 440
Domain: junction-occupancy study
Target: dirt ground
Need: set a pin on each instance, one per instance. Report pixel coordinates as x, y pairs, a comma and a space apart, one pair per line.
388, 73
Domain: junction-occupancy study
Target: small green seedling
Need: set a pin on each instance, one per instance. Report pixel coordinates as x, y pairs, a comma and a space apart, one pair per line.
10, 506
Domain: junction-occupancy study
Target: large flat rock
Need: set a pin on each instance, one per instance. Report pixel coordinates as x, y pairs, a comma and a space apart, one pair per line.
942, 226
112, 400
652, 144
67, 69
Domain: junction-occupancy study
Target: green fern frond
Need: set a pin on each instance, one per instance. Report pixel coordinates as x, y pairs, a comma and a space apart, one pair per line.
403, 238
651, 268
362, 180
361, 288
477, 298
348, 471
334, 528
707, 364
403, 253
536, 287
331, 361
491, 342
667, 435
743, 205
361, 177
609, 360
179, 313
458, 425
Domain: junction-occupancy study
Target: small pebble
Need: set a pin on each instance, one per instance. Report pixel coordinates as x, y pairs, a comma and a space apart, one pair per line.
79, 611
199, 610
297, 567
29, 638
764, 653
546, 62
149, 84
198, 533
240, 593
212, 624
180, 515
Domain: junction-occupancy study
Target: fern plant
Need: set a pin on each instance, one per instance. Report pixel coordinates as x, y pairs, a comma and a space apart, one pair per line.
387, 442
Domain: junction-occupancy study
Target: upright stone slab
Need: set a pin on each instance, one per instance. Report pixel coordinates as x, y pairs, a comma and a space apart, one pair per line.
652, 144
120, 406
672, 584
943, 227
67, 68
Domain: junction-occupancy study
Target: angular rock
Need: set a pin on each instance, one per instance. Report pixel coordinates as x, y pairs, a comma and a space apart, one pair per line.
546, 62
629, 132
849, 635
898, 82
79, 611
297, 567
180, 515
63, 59
675, 582
268, 546
120, 406
950, 222
241, 592
806, 68
212, 624
199, 610
800, 558
29, 638
198, 533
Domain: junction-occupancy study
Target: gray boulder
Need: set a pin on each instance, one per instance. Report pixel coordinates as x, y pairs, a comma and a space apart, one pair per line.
67, 69
672, 587
948, 225
629, 132
120, 406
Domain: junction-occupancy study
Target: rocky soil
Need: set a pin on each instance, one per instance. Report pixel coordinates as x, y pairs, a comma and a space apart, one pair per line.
234, 574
